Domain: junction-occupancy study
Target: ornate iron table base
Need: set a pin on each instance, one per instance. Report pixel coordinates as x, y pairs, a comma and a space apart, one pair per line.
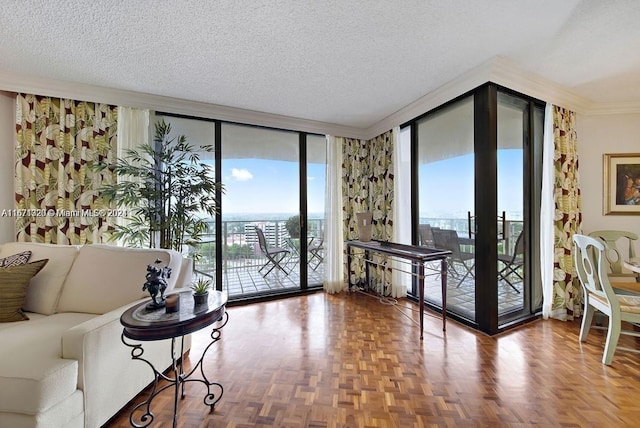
178, 380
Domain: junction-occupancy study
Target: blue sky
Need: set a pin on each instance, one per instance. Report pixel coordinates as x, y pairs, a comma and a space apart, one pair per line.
446, 187
269, 186
259, 186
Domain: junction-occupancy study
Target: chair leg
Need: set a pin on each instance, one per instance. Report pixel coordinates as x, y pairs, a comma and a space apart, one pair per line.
613, 334
315, 255
275, 262
587, 318
510, 284
469, 271
504, 274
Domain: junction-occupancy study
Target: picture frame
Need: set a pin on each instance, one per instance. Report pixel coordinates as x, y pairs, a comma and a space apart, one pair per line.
621, 184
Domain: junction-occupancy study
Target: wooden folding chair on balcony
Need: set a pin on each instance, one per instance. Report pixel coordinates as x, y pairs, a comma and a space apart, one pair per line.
274, 255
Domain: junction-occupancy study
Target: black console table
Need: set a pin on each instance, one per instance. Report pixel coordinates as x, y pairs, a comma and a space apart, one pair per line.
418, 256
142, 324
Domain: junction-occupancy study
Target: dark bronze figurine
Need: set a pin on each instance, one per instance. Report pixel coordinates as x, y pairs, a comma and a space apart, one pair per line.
156, 284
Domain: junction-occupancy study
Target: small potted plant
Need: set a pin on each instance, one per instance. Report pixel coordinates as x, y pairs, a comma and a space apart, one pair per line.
201, 291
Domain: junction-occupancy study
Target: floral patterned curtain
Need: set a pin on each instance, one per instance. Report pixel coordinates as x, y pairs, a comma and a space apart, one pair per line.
568, 214
367, 172
58, 140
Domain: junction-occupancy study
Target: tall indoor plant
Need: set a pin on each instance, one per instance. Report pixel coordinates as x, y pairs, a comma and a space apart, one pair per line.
167, 190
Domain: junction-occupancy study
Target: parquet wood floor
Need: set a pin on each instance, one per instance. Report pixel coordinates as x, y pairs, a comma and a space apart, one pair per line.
348, 360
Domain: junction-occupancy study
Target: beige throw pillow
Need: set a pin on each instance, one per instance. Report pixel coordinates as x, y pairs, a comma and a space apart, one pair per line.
13, 289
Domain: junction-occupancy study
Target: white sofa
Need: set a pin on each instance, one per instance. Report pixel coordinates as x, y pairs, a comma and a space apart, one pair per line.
66, 366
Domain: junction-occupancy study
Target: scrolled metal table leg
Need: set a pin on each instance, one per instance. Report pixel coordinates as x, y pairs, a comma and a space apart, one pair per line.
210, 399
147, 417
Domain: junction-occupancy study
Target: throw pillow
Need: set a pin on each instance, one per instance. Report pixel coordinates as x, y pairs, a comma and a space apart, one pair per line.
13, 289
15, 259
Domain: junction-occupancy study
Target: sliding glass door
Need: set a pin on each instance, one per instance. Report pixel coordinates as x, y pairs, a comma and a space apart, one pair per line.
519, 156
477, 163
268, 236
316, 170
260, 210
446, 187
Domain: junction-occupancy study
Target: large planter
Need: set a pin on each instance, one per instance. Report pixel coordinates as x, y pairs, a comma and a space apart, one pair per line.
364, 226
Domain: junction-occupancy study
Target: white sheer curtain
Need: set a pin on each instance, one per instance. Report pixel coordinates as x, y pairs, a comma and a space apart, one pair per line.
401, 207
334, 238
133, 131
547, 209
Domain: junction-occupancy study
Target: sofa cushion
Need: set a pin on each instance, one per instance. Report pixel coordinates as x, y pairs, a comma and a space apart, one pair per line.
33, 375
14, 281
105, 277
44, 291
15, 259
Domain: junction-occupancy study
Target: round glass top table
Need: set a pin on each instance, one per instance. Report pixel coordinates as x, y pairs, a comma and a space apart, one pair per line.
143, 324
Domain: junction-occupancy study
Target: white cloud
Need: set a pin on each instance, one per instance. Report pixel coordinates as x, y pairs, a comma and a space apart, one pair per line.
310, 178
241, 174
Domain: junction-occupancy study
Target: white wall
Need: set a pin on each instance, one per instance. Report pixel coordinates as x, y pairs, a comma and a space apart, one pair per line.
7, 144
597, 135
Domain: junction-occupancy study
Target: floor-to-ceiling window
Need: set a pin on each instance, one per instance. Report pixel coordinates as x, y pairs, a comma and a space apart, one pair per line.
268, 236
200, 134
261, 208
477, 181
512, 115
446, 188
519, 158
316, 170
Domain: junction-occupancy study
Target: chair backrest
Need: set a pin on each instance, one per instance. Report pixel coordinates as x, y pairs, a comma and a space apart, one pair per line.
446, 239
262, 242
426, 234
613, 253
518, 250
589, 256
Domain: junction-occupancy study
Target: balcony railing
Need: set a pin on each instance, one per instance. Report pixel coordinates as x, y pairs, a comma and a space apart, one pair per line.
242, 257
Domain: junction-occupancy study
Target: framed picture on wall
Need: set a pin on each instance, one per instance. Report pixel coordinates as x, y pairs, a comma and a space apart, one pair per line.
621, 183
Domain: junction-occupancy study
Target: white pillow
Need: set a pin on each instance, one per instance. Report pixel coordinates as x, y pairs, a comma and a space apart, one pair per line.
44, 290
105, 277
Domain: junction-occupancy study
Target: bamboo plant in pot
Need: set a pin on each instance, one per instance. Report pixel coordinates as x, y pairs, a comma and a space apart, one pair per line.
168, 191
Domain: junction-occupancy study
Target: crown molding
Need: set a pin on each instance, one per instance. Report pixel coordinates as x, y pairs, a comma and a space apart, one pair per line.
63, 89
604, 108
506, 73
498, 70
454, 88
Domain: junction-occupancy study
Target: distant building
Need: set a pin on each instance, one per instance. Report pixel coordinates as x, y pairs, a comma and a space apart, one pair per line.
274, 233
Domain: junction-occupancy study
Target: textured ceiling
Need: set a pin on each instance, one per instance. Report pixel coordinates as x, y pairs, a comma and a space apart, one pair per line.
337, 61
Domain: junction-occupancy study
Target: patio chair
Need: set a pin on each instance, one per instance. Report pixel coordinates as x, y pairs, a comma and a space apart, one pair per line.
426, 235
512, 264
446, 239
316, 250
590, 262
274, 255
